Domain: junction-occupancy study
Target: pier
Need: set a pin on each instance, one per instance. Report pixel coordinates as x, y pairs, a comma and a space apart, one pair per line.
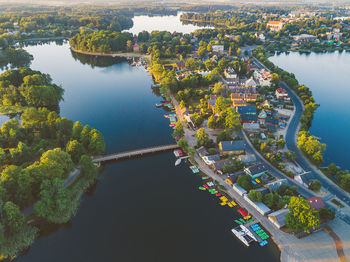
134, 153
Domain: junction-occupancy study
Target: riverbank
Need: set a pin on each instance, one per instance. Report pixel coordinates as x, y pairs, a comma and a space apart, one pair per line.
117, 54
292, 249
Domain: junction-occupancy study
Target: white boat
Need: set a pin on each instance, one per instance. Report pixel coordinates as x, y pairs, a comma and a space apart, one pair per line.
243, 234
178, 162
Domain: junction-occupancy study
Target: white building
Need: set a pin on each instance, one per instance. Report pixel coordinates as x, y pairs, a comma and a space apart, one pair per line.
275, 25
218, 48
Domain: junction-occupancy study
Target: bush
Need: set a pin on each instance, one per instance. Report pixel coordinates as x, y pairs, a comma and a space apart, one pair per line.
245, 182
315, 185
255, 196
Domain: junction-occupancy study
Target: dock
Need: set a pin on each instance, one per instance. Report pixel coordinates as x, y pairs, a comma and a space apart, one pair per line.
135, 153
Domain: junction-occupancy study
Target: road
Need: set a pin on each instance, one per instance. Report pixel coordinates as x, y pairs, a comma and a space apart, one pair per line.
291, 143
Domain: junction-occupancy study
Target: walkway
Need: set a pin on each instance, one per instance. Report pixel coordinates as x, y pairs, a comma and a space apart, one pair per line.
338, 245
138, 152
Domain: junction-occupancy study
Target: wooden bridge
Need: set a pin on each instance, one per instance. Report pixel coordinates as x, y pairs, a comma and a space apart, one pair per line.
134, 153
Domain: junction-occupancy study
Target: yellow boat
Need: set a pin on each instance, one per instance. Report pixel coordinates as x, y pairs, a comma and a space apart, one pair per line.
223, 203
257, 180
230, 204
233, 203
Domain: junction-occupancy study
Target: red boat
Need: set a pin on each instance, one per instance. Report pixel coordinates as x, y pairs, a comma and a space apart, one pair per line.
243, 212
206, 186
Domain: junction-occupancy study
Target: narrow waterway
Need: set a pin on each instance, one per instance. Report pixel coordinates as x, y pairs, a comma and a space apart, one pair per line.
143, 209
328, 76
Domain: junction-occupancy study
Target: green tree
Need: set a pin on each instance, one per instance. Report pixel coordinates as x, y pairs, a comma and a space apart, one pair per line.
222, 104
315, 185
211, 122
97, 143
13, 218
202, 137
275, 79
88, 169
255, 196
232, 120
178, 130
219, 87
326, 214
75, 149
191, 64
301, 215
76, 131
245, 182
332, 169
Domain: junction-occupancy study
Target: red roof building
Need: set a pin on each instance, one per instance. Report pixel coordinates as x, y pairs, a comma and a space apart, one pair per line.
316, 203
281, 93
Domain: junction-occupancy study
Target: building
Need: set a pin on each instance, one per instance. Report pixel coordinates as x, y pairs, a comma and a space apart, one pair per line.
278, 218
239, 190
275, 185
275, 25
236, 147
256, 170
250, 83
304, 179
233, 178
252, 127
259, 206
180, 65
304, 38
248, 118
136, 47
316, 203
230, 73
281, 93
247, 159
202, 151
210, 160
219, 165
218, 48
237, 103
249, 97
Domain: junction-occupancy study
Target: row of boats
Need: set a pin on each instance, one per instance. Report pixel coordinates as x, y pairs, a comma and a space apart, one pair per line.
247, 231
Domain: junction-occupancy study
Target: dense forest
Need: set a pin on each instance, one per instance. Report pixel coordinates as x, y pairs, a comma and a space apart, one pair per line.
37, 155
103, 41
26, 87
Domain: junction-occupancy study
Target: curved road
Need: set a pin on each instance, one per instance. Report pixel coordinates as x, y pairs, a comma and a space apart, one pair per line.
291, 143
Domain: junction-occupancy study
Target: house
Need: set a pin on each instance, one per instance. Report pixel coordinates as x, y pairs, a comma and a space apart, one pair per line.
250, 83
271, 122
251, 127
236, 147
211, 103
275, 185
230, 73
210, 160
278, 218
221, 163
136, 47
316, 203
275, 26
233, 178
304, 38
202, 151
247, 159
180, 65
218, 48
237, 103
256, 170
281, 93
248, 118
304, 179
239, 190
259, 206
246, 110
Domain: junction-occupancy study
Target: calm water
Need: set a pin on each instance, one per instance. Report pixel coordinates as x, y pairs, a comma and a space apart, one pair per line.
140, 210
169, 23
328, 76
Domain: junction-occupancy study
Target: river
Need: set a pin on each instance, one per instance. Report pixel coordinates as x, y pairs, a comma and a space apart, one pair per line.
327, 75
169, 23
142, 209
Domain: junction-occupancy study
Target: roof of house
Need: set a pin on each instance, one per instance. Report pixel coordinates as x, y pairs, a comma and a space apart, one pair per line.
246, 110
235, 176
202, 151
221, 163
213, 157
234, 145
316, 202
250, 82
307, 178
275, 185
256, 169
279, 216
281, 91
271, 120
249, 158
251, 126
249, 117
274, 23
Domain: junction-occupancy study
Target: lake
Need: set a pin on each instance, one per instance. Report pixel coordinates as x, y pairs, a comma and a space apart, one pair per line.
142, 209
328, 76
169, 23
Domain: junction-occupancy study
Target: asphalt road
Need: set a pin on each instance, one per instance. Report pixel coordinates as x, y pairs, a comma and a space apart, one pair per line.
291, 144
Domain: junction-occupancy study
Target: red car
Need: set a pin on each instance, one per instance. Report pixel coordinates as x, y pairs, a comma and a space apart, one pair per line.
243, 212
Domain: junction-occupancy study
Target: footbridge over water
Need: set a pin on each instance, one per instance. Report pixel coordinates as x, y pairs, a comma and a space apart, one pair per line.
134, 153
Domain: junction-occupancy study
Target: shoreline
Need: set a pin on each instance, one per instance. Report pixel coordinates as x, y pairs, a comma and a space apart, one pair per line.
118, 54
